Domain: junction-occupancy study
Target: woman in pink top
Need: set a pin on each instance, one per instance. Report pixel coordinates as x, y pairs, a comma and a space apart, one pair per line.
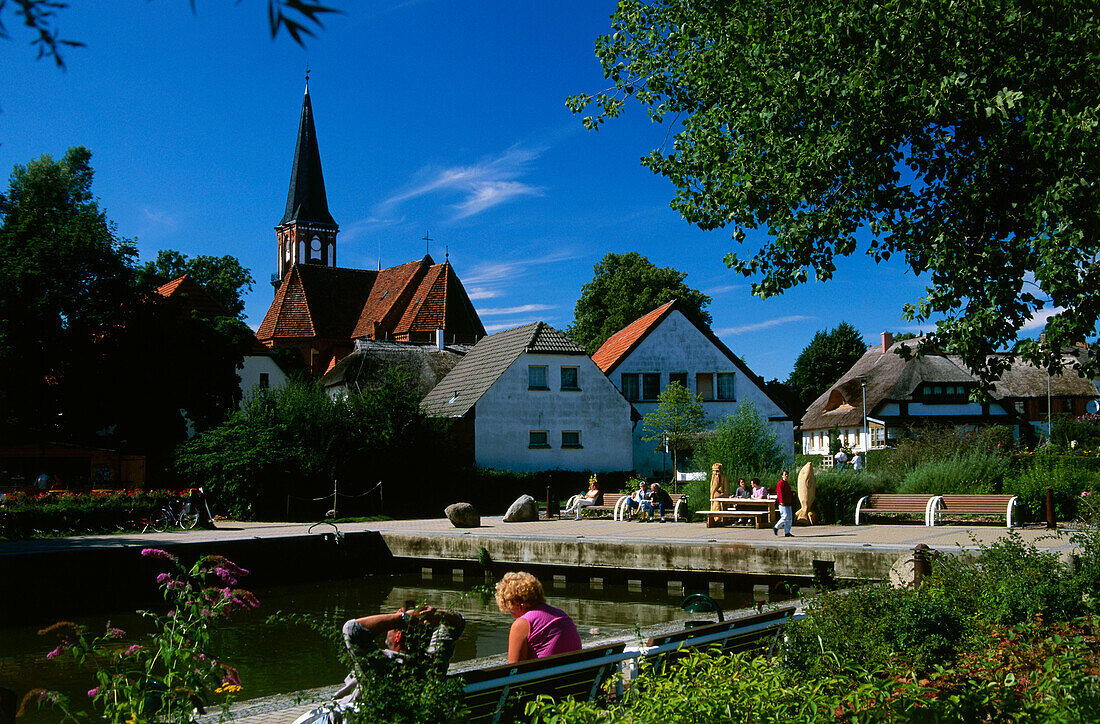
758, 490
539, 629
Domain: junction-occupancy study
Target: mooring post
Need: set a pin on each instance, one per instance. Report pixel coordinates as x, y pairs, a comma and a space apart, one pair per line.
1051, 522
922, 563
551, 504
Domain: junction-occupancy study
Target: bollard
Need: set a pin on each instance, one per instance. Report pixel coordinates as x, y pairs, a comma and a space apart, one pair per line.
1051, 522
922, 563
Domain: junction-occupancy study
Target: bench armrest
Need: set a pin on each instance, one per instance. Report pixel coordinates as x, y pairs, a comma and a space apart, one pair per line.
859, 506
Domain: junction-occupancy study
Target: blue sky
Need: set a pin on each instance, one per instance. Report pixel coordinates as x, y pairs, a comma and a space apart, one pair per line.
433, 116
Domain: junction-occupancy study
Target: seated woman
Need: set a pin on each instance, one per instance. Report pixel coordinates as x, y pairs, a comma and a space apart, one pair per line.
584, 501
741, 491
758, 490
539, 630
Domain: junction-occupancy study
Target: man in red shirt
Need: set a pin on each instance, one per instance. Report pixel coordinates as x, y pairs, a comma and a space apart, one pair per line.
784, 498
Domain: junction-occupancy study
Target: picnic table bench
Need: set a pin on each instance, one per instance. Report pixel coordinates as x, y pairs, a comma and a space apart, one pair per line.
759, 510
973, 504
916, 504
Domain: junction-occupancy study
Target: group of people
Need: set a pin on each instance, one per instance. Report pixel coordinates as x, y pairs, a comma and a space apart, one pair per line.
648, 499
784, 499
845, 457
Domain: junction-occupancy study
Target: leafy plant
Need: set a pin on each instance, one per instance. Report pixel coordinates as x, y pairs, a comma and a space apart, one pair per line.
677, 420
170, 675
745, 445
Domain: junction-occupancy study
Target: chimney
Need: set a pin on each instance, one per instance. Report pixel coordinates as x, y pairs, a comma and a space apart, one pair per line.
439, 342
887, 340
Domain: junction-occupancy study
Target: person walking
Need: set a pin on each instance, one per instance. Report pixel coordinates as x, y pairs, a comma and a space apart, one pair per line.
784, 498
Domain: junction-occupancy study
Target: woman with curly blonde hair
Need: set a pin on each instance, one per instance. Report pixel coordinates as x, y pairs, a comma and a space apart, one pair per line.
539, 630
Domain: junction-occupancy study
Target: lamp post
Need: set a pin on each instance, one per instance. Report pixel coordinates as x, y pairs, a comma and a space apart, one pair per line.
866, 430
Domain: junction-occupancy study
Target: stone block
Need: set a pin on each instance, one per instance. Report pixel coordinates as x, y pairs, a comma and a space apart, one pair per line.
525, 509
463, 515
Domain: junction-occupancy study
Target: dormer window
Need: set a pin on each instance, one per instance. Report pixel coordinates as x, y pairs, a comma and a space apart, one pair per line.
934, 393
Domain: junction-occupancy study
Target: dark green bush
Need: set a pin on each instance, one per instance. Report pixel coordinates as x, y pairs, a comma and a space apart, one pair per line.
79, 514
975, 471
1066, 473
870, 625
838, 491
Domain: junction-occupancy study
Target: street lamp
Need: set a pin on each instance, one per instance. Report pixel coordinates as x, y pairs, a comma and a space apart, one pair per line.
866, 430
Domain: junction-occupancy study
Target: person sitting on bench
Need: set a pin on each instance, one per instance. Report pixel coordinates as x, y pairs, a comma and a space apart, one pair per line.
584, 501
639, 499
660, 500
539, 629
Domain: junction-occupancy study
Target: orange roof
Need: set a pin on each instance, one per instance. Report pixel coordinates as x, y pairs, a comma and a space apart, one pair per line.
192, 295
623, 342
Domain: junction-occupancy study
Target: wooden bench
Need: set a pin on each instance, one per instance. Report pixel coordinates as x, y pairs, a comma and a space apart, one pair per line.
919, 504
760, 517
678, 499
974, 504
746, 633
499, 693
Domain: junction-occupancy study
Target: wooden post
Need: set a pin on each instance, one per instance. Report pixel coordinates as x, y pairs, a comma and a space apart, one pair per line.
550, 507
922, 564
1051, 522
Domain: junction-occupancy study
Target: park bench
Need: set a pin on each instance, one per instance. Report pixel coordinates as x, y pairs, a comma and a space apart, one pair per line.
499, 693
678, 500
919, 504
973, 504
607, 504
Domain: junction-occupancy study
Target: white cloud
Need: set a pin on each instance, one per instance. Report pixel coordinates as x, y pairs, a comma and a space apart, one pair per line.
524, 309
476, 293
486, 184
723, 288
766, 324
502, 271
158, 220
1039, 319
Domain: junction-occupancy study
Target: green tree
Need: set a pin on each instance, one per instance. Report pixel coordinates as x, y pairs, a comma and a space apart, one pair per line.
624, 288
677, 420
222, 276
66, 293
40, 17
958, 136
744, 443
823, 361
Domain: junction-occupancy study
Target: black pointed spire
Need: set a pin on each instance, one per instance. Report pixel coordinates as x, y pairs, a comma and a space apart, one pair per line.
306, 200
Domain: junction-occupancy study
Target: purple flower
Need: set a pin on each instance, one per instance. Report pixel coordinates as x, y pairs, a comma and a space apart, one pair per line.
56, 652
162, 578
231, 676
133, 650
175, 585
158, 553
114, 632
226, 575
92, 692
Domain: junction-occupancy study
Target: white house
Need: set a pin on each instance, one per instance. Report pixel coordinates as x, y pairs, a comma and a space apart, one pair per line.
667, 346
259, 371
536, 401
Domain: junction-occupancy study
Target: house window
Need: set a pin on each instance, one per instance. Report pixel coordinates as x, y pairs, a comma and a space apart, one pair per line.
265, 380
569, 378
878, 437
680, 378
538, 439
704, 385
629, 386
1020, 406
651, 386
537, 377
725, 386
570, 439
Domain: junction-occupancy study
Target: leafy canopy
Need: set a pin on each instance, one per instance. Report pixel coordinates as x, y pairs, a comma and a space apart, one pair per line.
824, 360
745, 445
624, 288
960, 136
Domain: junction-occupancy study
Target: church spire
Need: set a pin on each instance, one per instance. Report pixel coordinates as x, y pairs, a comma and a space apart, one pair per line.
307, 231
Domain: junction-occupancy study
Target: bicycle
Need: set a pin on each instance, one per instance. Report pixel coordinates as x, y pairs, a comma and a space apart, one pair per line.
186, 517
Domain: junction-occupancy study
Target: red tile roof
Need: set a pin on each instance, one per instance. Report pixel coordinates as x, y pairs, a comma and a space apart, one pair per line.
382, 305
623, 342
193, 296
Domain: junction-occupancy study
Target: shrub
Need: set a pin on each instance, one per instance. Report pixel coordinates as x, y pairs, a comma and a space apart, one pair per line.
1066, 474
974, 471
78, 513
928, 444
838, 491
743, 442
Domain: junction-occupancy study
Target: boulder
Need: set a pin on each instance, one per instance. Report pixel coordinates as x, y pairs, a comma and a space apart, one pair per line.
463, 515
524, 509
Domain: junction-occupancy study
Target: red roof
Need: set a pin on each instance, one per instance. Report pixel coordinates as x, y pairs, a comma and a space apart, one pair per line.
332, 303
193, 295
623, 342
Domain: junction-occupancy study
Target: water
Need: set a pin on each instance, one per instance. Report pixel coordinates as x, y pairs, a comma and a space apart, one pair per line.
277, 657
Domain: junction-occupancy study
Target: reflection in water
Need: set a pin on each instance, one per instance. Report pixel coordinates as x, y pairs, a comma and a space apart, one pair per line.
279, 657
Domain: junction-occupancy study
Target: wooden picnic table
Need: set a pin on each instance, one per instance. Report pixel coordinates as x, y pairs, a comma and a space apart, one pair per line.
759, 509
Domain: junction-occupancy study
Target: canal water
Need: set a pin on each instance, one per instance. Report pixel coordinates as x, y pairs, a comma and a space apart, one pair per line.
277, 657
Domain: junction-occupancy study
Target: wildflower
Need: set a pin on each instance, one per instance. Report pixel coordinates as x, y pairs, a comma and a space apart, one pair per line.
158, 553
92, 692
34, 696
114, 632
226, 575
174, 585
133, 650
216, 562
62, 648
231, 676
228, 689
161, 578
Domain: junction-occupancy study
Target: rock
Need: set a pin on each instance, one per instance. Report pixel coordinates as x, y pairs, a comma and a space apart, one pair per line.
524, 509
463, 515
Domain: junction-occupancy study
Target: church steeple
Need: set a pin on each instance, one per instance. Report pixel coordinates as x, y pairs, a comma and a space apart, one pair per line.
307, 231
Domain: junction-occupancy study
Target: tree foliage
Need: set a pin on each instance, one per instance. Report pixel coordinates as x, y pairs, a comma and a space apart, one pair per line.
624, 288
961, 137
222, 276
677, 420
745, 444
88, 355
824, 360
40, 17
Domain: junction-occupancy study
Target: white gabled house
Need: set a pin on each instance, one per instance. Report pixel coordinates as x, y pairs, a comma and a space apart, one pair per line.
668, 346
535, 401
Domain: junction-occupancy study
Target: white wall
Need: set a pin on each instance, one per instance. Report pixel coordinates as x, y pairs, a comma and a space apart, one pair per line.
676, 346
507, 413
250, 371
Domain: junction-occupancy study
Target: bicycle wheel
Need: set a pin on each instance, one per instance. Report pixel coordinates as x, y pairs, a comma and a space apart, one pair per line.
189, 520
162, 522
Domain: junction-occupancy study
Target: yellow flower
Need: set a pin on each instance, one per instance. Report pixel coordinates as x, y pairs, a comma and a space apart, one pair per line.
228, 689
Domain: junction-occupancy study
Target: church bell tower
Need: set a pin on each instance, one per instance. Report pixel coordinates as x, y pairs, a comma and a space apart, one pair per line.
307, 232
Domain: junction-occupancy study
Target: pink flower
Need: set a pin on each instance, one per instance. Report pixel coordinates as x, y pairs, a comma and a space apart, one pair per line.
158, 553
162, 578
56, 652
133, 650
225, 575
231, 676
92, 692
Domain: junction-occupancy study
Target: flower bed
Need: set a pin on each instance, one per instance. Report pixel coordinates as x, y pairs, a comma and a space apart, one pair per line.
26, 516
